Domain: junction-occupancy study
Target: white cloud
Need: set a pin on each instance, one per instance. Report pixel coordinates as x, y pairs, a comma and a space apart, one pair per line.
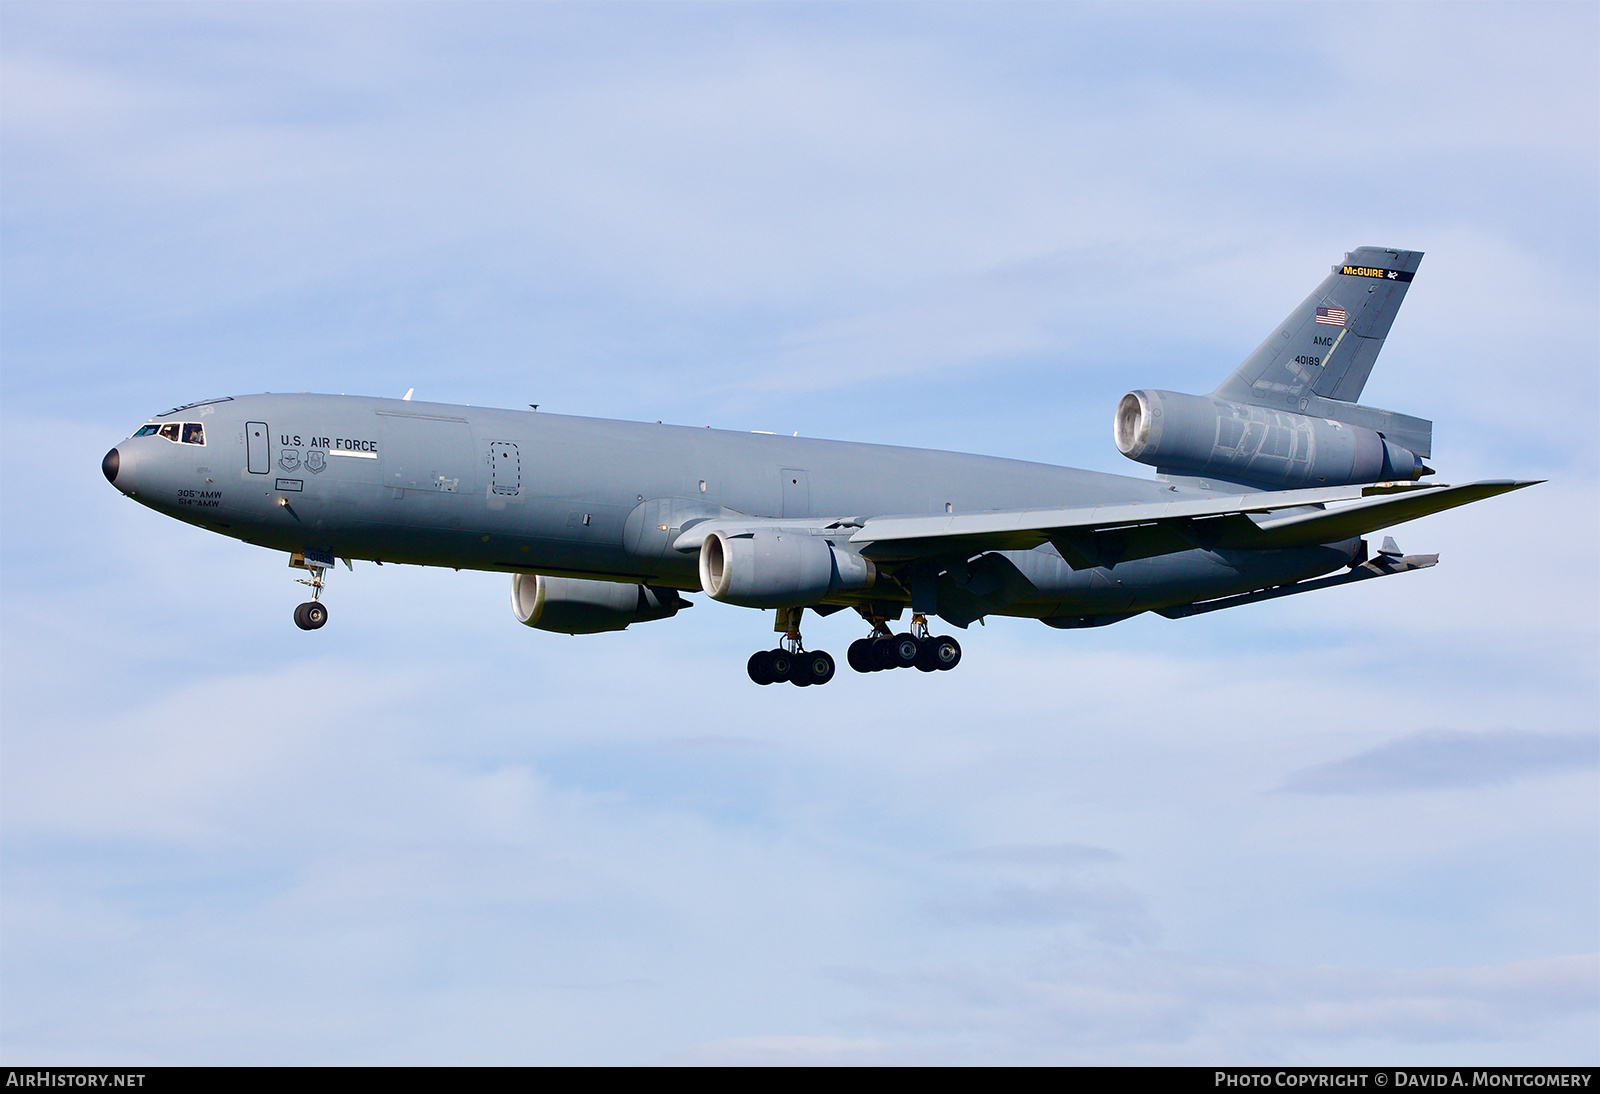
1183, 1012
1441, 758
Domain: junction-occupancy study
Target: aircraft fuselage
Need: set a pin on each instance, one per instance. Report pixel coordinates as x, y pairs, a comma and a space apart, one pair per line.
530, 492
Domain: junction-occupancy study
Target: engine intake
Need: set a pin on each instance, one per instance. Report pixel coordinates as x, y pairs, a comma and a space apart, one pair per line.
778, 568
570, 605
1205, 435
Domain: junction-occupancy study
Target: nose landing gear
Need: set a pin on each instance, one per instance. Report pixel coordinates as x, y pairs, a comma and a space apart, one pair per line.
313, 613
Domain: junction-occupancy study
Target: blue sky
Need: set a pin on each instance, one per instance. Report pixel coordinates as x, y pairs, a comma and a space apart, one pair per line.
1351, 827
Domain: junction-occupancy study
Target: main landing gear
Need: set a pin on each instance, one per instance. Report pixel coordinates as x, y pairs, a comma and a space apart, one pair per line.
915, 648
791, 661
800, 667
313, 613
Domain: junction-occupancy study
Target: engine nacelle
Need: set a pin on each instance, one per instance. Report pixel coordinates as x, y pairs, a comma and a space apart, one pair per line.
570, 605
777, 568
1205, 435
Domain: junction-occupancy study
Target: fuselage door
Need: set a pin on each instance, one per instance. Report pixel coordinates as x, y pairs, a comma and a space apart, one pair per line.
255, 439
505, 468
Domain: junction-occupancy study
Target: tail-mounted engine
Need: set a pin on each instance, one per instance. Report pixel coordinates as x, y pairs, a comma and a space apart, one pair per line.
1206, 435
569, 605
778, 568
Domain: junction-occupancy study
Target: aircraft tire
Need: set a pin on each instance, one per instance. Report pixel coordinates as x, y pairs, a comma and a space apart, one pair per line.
903, 651
760, 672
926, 652
859, 655
780, 665
816, 667
882, 654
310, 615
946, 653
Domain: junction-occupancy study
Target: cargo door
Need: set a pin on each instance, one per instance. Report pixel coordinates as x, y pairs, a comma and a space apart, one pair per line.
426, 455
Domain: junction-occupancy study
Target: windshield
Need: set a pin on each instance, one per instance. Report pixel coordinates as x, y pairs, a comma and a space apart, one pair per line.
176, 432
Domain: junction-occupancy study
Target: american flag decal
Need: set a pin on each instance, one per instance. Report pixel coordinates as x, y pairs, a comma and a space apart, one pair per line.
1330, 317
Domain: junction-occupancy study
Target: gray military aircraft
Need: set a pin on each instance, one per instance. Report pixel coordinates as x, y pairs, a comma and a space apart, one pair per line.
1263, 489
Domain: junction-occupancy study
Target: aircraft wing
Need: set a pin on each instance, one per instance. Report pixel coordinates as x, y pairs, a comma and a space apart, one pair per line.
1104, 535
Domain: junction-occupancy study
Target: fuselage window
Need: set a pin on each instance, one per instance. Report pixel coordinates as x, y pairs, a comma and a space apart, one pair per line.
147, 430
170, 431
194, 433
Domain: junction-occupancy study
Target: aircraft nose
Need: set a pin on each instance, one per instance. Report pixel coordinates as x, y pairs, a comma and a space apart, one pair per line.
121, 469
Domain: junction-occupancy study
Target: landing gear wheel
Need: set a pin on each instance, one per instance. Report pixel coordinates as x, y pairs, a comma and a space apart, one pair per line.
780, 663
946, 653
310, 615
760, 672
903, 651
925, 655
859, 655
881, 653
815, 667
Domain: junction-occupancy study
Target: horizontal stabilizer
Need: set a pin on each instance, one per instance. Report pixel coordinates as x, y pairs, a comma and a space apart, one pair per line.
1415, 434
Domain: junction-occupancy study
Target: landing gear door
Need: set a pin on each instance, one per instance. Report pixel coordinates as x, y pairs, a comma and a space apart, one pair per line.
255, 439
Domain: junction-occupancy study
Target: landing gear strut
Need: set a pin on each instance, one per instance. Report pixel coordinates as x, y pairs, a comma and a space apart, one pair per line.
791, 661
313, 613
915, 648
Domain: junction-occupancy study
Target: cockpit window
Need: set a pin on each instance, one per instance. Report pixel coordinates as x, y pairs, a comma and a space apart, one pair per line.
147, 430
194, 433
170, 431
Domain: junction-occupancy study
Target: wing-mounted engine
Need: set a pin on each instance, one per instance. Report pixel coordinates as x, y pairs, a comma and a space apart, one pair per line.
570, 605
778, 568
1208, 435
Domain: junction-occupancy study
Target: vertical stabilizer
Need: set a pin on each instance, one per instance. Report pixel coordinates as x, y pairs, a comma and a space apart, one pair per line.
1328, 345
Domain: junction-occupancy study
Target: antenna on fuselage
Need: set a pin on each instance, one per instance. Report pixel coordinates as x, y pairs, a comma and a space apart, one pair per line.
406, 398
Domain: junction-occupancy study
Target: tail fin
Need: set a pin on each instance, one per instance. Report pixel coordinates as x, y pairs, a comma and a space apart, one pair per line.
1328, 345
